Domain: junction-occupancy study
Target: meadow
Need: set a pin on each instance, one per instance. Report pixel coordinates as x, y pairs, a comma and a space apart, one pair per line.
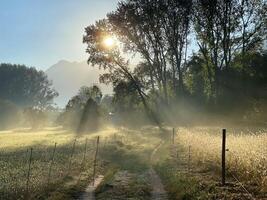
64, 171
30, 170
246, 155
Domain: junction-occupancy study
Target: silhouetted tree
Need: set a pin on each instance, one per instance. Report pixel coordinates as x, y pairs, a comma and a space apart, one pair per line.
158, 31
78, 107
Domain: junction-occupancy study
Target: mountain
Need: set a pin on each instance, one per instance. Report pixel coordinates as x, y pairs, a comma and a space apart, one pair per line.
68, 77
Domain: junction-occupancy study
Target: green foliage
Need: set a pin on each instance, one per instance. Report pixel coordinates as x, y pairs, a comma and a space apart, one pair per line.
127, 104
125, 97
242, 87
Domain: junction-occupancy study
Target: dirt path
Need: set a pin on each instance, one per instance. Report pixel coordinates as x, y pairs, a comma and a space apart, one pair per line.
158, 191
89, 193
130, 183
126, 185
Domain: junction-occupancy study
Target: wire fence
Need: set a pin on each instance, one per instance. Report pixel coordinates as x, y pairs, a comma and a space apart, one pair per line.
25, 173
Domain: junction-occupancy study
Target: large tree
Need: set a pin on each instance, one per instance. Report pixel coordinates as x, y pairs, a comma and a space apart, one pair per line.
158, 31
112, 58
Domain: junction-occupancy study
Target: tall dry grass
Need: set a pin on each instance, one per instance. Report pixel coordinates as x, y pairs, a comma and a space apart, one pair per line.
246, 158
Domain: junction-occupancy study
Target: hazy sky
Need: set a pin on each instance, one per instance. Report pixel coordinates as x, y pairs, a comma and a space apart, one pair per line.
41, 32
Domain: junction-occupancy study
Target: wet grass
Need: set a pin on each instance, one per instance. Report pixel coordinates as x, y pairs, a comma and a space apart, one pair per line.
72, 163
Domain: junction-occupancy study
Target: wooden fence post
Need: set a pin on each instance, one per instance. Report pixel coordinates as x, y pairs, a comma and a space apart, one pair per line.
223, 155
29, 174
95, 160
52, 162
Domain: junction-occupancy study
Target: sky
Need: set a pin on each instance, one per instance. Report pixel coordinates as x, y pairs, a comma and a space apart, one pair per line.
39, 33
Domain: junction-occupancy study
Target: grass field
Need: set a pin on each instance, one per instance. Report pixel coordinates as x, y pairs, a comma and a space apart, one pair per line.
128, 150
246, 158
69, 160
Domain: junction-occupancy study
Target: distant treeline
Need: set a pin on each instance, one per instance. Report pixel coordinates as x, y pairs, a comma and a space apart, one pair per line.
24, 94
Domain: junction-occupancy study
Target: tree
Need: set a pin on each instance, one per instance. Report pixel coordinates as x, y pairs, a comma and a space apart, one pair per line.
25, 86
125, 99
90, 117
158, 31
92, 92
249, 67
137, 25
106, 103
158, 35
176, 20
111, 59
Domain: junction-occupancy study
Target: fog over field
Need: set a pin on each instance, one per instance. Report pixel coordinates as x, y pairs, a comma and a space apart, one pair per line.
133, 100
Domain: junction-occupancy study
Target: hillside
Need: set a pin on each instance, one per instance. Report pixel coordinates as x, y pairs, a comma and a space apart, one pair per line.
68, 77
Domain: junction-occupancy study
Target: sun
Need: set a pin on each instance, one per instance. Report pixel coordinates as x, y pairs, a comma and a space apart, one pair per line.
109, 42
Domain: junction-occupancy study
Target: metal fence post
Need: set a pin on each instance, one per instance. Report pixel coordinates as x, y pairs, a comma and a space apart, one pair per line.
95, 160
223, 155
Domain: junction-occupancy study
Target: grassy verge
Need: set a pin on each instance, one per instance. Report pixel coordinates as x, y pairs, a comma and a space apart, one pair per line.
180, 185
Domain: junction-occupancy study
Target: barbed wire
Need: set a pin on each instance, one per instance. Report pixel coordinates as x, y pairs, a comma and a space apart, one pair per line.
242, 186
237, 180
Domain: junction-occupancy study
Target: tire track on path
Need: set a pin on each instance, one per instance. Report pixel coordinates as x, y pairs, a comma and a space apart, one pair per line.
89, 193
158, 191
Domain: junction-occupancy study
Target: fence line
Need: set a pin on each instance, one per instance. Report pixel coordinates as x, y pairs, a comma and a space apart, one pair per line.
45, 165
71, 155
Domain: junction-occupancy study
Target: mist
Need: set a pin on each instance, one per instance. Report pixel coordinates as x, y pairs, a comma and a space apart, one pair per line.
169, 102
